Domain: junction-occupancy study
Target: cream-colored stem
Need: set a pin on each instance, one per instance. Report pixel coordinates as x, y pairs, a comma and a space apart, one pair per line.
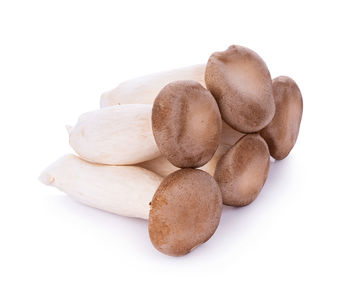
123, 190
117, 135
143, 90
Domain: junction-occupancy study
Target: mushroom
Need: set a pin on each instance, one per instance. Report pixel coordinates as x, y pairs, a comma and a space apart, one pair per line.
282, 133
242, 171
117, 135
123, 190
185, 207
122, 135
185, 211
241, 84
163, 167
186, 123
143, 90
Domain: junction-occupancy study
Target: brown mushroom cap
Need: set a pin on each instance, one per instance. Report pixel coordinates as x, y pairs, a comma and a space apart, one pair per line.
186, 123
241, 83
282, 133
242, 171
185, 211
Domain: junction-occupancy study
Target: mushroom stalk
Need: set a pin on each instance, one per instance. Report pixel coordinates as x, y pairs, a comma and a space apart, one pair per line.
123, 190
143, 90
117, 135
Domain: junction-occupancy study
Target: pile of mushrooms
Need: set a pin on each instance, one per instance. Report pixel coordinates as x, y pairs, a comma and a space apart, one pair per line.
173, 147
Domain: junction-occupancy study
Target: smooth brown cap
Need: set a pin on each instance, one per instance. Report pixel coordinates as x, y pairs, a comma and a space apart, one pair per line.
186, 123
241, 83
243, 170
282, 133
185, 211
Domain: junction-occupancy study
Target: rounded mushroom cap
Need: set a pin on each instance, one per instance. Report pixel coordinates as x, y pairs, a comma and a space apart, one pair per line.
282, 133
186, 123
241, 83
242, 171
185, 211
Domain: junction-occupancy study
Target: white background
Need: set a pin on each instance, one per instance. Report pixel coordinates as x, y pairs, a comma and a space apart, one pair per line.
57, 57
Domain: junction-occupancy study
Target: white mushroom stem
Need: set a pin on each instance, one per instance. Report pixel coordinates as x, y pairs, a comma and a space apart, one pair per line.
117, 135
143, 90
123, 190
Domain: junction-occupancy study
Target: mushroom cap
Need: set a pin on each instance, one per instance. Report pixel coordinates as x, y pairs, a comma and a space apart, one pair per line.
186, 123
242, 171
185, 211
240, 81
282, 133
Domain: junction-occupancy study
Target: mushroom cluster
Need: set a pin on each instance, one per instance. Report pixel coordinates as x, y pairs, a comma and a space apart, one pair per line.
173, 147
